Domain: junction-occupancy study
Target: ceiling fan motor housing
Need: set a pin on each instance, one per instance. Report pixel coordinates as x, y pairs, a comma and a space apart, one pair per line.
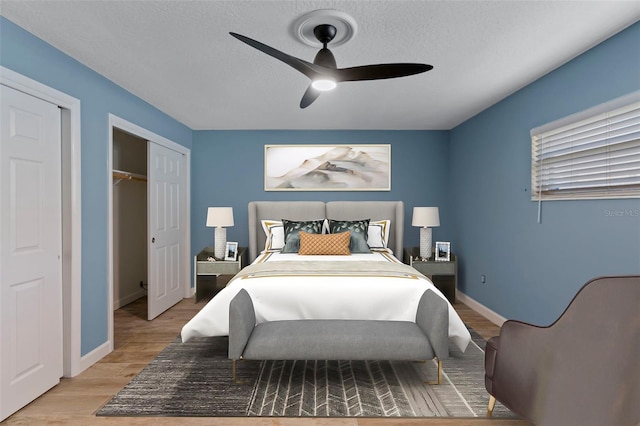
325, 33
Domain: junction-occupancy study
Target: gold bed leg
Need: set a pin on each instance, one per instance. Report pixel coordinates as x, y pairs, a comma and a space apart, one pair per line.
439, 381
491, 406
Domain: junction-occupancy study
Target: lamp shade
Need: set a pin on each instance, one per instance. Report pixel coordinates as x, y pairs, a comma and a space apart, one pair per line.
219, 216
425, 217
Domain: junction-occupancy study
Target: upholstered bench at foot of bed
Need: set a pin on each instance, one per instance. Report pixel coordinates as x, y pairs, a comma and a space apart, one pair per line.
328, 339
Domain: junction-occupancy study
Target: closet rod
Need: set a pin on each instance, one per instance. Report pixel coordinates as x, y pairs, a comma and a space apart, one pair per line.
122, 175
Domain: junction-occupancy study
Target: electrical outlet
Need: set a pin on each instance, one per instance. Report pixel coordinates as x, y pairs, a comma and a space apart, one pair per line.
483, 279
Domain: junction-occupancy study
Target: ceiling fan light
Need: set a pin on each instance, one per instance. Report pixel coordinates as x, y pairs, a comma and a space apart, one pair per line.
323, 85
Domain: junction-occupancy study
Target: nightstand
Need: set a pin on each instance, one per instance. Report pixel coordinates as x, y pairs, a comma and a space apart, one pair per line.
444, 275
206, 272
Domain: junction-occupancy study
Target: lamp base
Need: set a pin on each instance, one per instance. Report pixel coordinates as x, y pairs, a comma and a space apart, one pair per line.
220, 243
425, 243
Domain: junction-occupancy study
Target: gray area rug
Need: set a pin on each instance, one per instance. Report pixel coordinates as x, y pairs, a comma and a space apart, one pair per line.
194, 379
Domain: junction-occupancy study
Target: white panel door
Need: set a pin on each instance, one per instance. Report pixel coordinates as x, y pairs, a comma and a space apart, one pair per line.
167, 181
30, 249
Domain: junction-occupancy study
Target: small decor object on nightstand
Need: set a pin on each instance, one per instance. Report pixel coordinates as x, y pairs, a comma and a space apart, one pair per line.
231, 251
443, 251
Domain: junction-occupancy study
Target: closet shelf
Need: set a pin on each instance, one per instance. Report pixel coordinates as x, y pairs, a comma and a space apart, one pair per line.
122, 175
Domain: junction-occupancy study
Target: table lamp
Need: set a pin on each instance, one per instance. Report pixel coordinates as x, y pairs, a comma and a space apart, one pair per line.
219, 217
426, 218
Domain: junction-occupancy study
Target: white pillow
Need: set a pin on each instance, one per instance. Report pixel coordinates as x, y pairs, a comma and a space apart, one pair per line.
274, 231
378, 234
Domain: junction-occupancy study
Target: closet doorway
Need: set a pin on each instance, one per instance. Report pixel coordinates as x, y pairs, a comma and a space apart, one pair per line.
148, 220
130, 277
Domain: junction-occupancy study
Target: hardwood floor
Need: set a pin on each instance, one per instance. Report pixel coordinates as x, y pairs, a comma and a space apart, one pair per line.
137, 341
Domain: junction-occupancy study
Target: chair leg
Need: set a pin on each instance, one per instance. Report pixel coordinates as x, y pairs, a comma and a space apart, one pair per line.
491, 406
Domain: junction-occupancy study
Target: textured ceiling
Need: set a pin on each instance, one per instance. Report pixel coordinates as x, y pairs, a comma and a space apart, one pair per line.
179, 57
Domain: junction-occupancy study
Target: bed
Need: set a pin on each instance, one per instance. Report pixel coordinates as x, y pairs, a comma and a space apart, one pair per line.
332, 287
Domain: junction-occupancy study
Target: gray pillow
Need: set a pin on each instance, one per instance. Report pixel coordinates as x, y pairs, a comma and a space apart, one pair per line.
292, 230
358, 229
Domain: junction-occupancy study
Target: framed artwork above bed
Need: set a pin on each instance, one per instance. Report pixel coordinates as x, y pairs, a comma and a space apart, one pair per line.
353, 167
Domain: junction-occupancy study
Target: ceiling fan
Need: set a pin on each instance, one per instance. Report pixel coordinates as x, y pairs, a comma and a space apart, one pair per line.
324, 73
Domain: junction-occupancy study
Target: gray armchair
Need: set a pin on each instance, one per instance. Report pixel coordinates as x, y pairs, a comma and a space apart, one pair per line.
584, 369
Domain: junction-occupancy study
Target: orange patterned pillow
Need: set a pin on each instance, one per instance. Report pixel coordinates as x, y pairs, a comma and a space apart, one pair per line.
337, 244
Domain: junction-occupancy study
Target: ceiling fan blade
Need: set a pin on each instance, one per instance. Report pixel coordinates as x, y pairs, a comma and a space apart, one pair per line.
379, 71
306, 68
309, 96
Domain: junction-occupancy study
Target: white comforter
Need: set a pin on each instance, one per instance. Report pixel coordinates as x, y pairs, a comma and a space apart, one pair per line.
318, 297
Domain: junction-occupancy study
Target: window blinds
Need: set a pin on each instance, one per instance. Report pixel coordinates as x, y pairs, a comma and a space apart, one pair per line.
593, 154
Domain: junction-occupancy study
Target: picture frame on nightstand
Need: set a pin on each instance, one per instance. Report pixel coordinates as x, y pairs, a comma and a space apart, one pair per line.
443, 251
231, 251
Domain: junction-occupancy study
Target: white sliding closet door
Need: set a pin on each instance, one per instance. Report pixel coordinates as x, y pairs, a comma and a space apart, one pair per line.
167, 182
31, 342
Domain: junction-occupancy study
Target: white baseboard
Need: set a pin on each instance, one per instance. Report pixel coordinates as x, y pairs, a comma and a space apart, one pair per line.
492, 316
94, 356
123, 301
189, 292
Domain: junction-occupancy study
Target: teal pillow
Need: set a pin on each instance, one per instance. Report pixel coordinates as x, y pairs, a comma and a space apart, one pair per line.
292, 232
358, 229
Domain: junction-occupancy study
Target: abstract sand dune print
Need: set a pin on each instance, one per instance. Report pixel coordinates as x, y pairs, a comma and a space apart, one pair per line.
327, 167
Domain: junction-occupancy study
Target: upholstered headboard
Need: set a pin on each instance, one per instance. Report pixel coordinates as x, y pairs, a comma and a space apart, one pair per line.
338, 210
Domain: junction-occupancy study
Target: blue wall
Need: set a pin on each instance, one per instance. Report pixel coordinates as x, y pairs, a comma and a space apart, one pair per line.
228, 170
28, 55
533, 270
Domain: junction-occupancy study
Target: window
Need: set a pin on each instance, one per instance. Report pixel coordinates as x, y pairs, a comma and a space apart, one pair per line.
592, 154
